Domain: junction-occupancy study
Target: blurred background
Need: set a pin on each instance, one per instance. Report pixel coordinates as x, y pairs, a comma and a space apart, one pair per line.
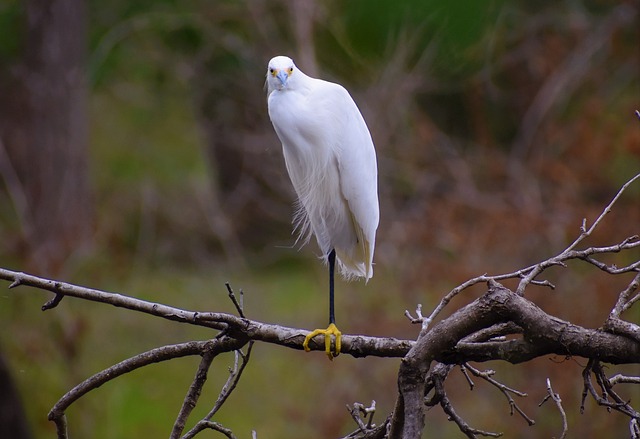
136, 155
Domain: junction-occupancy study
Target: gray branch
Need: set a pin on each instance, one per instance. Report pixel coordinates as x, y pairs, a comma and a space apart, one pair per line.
476, 332
355, 345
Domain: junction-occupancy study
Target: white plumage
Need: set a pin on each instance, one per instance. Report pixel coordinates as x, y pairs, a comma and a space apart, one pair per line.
331, 161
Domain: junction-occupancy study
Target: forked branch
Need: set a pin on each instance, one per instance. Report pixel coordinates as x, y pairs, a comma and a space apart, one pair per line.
499, 325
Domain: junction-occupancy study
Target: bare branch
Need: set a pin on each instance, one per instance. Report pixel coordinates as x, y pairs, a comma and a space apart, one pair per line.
542, 334
506, 391
203, 425
191, 399
614, 323
53, 302
239, 364
419, 318
631, 302
238, 304
556, 398
608, 398
447, 407
57, 413
623, 379
585, 233
463, 369
624, 299
476, 332
237, 327
527, 275
568, 254
363, 416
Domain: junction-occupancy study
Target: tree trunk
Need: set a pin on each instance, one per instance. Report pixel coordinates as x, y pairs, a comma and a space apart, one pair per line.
13, 422
44, 136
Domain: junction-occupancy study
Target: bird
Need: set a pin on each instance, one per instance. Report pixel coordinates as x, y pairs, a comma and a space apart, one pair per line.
331, 161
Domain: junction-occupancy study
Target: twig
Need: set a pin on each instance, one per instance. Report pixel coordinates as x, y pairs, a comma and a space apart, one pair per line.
51, 303
447, 407
624, 301
506, 391
240, 362
528, 274
239, 305
631, 302
556, 398
616, 402
57, 413
203, 425
585, 233
419, 319
439, 372
518, 274
211, 320
463, 369
192, 396
623, 379
359, 409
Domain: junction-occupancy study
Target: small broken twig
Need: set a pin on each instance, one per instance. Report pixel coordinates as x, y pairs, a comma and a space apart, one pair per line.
506, 391
238, 304
556, 398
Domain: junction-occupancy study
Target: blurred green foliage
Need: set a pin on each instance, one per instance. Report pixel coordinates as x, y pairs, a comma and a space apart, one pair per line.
10, 26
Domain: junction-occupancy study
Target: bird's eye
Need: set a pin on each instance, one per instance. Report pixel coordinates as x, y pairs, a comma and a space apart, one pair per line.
272, 71
290, 70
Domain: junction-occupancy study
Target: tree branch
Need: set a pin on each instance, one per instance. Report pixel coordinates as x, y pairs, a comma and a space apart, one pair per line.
607, 396
542, 334
355, 345
556, 399
57, 413
504, 389
528, 274
235, 373
191, 399
476, 332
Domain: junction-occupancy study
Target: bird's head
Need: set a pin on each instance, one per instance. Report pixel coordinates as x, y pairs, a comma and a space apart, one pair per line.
281, 73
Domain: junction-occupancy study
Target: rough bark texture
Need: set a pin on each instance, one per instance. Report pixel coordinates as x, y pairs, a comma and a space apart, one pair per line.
473, 333
542, 334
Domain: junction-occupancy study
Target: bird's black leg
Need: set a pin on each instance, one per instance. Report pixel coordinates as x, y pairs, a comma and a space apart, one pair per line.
332, 266
331, 329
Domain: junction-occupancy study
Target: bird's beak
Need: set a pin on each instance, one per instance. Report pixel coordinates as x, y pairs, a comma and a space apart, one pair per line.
282, 76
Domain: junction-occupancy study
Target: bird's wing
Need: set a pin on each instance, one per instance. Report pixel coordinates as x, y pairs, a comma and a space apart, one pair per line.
358, 174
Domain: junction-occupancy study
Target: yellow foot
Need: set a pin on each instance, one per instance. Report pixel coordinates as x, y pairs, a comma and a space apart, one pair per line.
331, 330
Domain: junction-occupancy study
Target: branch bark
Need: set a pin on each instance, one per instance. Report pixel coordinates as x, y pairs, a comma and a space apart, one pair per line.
542, 334
475, 332
237, 327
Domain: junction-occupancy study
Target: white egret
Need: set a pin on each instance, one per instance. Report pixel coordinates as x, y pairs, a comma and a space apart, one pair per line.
331, 161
